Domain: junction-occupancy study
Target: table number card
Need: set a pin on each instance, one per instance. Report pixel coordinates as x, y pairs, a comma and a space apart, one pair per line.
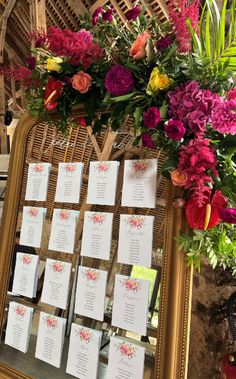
90, 293
32, 226
130, 305
50, 339
18, 326
62, 237
56, 283
83, 352
102, 182
126, 360
139, 185
69, 182
26, 275
97, 235
37, 182
135, 240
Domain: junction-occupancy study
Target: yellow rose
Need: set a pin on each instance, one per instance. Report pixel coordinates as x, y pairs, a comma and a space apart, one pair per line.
53, 64
157, 82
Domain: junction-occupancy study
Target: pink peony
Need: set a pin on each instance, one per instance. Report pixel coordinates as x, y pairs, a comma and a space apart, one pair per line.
133, 13
224, 117
96, 14
175, 129
228, 215
151, 117
119, 80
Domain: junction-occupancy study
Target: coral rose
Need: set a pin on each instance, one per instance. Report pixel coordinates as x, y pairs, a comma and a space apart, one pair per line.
81, 81
138, 49
178, 178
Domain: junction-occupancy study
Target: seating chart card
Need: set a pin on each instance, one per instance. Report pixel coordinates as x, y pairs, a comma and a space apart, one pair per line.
139, 185
56, 283
62, 237
37, 181
50, 339
32, 226
90, 293
18, 326
97, 235
102, 182
130, 305
126, 360
26, 275
69, 182
83, 352
135, 240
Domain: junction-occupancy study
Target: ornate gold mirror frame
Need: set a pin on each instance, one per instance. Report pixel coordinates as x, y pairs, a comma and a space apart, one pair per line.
174, 312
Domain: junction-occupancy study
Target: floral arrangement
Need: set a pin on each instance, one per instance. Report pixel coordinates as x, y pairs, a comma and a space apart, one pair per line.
135, 222
175, 80
127, 350
64, 215
33, 212
51, 322
26, 259
97, 218
91, 275
85, 335
131, 284
20, 311
57, 267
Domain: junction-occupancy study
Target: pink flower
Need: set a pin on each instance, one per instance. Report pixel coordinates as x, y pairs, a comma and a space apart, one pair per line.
198, 161
175, 129
133, 13
26, 259
96, 14
228, 215
152, 117
57, 267
119, 80
231, 95
224, 117
82, 82
108, 15
20, 311
147, 141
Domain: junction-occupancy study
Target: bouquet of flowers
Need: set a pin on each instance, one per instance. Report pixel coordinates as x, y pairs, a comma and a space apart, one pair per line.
175, 80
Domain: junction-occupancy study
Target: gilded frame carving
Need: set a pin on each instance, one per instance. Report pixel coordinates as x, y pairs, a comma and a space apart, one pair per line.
175, 304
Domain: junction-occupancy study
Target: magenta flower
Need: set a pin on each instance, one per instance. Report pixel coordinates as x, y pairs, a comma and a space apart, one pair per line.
31, 62
164, 42
107, 16
147, 141
175, 129
231, 95
151, 117
133, 13
193, 106
224, 117
228, 215
96, 14
119, 80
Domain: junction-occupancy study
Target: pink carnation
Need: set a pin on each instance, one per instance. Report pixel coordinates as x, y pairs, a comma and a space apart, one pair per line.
224, 117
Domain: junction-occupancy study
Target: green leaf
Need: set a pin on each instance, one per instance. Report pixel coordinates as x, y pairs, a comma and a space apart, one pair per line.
169, 165
122, 98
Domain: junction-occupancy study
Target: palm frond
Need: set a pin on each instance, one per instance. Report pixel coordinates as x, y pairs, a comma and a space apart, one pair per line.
216, 41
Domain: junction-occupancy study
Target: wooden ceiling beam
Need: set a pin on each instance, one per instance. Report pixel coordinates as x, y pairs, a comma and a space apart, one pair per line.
38, 15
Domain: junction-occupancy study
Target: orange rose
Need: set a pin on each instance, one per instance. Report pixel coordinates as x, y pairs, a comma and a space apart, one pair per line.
81, 81
138, 49
178, 178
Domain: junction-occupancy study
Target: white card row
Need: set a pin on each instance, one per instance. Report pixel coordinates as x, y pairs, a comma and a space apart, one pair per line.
139, 182
126, 360
130, 304
135, 234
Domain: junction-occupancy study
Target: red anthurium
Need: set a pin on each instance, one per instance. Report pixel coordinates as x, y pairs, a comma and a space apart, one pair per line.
207, 215
52, 91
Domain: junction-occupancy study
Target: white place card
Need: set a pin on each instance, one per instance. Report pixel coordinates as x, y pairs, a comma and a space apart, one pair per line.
18, 326
130, 305
139, 185
37, 181
83, 352
90, 293
135, 240
69, 182
56, 283
97, 235
62, 237
102, 182
26, 275
32, 226
50, 339
126, 360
